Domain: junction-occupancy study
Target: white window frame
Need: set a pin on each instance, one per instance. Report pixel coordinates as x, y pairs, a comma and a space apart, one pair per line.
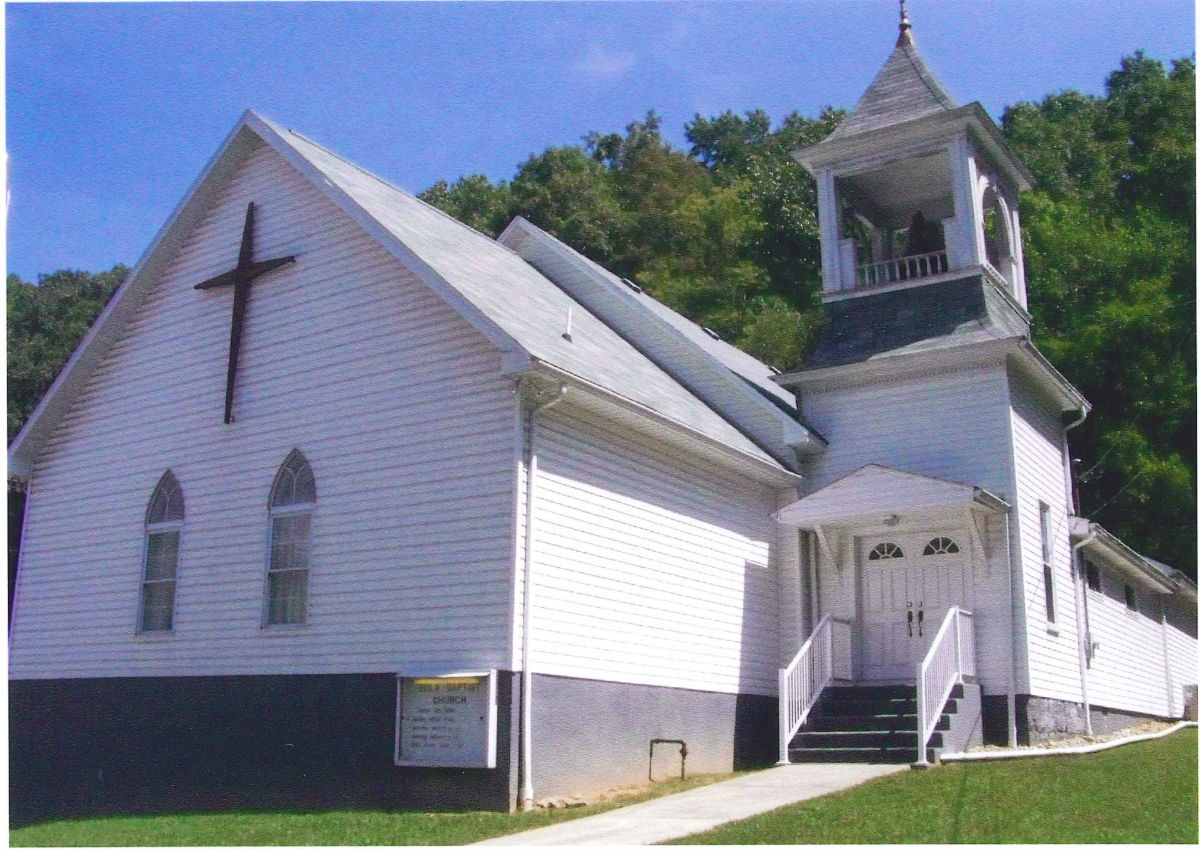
153, 528
1051, 601
274, 512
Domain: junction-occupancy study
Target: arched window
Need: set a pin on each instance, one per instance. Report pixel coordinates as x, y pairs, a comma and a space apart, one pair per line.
941, 546
884, 551
293, 499
164, 522
997, 234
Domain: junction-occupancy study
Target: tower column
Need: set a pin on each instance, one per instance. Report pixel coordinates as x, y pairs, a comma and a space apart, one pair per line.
964, 246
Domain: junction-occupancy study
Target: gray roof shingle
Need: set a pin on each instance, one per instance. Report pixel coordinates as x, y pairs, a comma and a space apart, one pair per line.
903, 90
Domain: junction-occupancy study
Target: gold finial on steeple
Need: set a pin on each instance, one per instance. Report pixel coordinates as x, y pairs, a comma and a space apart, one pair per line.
905, 27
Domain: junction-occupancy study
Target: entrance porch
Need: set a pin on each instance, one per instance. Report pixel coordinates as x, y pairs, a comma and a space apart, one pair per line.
899, 575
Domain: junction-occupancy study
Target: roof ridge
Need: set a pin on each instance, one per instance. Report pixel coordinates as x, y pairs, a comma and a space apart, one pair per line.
388, 183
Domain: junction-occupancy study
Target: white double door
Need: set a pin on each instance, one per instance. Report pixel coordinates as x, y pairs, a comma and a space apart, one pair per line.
908, 585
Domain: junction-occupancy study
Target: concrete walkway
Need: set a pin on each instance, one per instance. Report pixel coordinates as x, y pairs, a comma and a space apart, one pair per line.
688, 812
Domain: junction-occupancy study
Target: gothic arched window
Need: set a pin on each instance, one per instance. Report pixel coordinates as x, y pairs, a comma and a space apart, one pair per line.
885, 551
293, 500
941, 546
164, 522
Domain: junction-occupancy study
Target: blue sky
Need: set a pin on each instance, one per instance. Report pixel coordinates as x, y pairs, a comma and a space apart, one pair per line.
112, 109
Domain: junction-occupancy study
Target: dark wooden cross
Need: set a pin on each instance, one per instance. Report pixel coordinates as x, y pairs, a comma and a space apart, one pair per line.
239, 278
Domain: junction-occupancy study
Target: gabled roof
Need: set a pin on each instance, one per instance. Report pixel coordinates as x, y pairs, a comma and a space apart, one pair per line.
874, 492
903, 90
734, 383
512, 304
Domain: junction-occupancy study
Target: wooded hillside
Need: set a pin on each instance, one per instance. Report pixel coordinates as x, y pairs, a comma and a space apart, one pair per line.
726, 233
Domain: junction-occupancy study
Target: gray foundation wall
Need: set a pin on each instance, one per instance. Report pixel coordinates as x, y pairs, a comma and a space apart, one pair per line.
1040, 719
590, 735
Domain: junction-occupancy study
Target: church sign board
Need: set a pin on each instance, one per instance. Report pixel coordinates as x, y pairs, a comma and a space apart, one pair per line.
446, 720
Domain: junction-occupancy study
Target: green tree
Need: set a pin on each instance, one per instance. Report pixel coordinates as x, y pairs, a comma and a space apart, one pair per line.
46, 322
1109, 239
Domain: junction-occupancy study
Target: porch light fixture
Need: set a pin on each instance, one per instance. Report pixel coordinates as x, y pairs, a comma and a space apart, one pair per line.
893, 520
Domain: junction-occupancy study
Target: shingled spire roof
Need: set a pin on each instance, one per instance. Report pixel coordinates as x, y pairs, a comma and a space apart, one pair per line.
904, 89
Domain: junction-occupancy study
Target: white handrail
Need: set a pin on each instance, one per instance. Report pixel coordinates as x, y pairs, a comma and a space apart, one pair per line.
951, 656
902, 268
801, 682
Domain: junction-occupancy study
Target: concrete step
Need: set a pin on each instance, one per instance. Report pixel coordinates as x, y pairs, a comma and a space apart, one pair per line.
864, 755
878, 722
863, 739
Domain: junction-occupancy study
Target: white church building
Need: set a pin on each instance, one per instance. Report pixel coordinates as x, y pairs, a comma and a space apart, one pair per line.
341, 501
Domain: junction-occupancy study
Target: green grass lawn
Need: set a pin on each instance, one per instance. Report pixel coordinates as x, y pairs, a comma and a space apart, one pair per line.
1140, 793
315, 828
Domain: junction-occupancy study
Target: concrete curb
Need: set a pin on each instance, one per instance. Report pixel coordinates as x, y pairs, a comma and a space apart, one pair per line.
1066, 751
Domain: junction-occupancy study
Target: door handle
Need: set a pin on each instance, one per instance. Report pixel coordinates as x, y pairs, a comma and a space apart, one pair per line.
910, 623
920, 622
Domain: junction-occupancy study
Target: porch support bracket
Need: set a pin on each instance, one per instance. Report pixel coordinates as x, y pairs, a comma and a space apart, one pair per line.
826, 549
977, 534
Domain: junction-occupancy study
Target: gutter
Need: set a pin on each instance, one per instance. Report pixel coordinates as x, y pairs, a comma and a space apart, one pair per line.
539, 399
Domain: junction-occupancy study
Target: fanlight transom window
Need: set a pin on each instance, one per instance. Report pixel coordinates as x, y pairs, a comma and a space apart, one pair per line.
293, 499
885, 551
164, 522
941, 546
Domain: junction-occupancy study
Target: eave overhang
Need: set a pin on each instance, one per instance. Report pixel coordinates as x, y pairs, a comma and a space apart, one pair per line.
865, 151
762, 469
1106, 546
886, 365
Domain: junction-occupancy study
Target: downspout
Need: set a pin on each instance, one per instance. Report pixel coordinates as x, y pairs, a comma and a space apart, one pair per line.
1012, 630
1083, 627
540, 399
1162, 621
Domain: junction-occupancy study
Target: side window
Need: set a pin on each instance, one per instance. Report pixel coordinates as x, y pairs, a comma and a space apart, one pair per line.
1093, 576
1130, 598
164, 522
1047, 568
293, 499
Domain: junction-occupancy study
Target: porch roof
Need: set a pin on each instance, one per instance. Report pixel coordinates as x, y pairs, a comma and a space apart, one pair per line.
875, 494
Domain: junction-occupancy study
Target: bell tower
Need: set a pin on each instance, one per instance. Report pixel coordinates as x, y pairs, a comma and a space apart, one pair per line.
920, 233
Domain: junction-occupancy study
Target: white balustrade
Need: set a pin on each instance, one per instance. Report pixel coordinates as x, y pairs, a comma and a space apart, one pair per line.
902, 268
820, 659
951, 656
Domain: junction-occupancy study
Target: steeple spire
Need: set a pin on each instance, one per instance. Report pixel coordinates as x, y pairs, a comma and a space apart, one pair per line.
905, 28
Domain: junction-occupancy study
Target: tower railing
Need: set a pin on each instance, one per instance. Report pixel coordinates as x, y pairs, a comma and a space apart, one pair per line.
903, 268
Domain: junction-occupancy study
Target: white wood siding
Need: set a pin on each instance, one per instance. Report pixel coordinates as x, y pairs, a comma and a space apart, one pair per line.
950, 425
1040, 476
1129, 668
1181, 647
651, 567
396, 402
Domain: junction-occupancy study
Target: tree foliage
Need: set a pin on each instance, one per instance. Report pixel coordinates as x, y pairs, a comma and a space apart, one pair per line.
45, 323
1110, 255
726, 232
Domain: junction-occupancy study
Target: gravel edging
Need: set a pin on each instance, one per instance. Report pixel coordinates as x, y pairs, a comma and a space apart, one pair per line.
1025, 752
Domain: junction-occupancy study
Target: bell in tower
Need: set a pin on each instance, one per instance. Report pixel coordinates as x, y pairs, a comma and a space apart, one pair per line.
920, 235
